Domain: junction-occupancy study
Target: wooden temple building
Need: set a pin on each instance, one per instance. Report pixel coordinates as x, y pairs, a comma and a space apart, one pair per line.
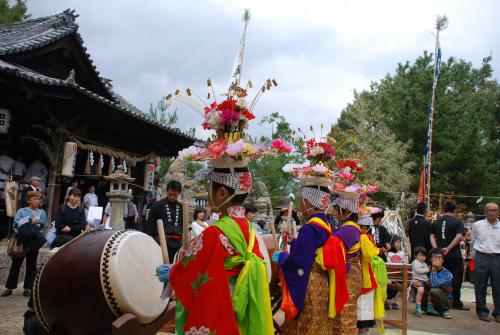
51, 94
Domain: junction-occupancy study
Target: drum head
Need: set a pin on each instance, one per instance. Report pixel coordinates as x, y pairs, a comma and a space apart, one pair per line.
265, 253
129, 276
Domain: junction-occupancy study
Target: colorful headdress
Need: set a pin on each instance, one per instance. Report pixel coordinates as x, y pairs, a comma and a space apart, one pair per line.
350, 193
316, 174
228, 149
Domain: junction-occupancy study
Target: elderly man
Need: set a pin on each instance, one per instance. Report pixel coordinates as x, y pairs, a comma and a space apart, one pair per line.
486, 244
34, 185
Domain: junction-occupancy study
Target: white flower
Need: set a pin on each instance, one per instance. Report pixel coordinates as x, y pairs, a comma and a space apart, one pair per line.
188, 152
316, 150
319, 168
288, 168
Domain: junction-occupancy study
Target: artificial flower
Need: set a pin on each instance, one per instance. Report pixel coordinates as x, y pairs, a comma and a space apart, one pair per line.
281, 146
217, 148
319, 168
236, 148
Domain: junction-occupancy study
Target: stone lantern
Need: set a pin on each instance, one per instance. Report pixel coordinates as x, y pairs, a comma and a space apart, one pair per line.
118, 196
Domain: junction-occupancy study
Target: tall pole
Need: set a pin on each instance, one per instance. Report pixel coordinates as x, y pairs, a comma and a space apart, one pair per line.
441, 24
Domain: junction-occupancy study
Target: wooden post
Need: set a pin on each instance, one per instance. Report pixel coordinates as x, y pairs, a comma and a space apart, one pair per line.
185, 224
275, 238
404, 298
163, 241
291, 224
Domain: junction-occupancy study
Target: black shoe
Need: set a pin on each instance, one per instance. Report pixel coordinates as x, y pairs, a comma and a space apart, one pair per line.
26, 292
7, 292
462, 308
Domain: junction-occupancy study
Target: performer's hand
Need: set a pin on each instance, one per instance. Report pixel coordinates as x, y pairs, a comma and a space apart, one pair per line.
66, 229
162, 272
276, 256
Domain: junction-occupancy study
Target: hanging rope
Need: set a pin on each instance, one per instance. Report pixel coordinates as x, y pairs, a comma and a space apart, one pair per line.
113, 153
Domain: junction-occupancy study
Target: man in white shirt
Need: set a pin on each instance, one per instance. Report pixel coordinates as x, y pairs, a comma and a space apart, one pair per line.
90, 199
486, 244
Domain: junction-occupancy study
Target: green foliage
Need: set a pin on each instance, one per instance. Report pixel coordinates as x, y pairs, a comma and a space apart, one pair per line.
465, 148
159, 114
269, 169
13, 13
361, 133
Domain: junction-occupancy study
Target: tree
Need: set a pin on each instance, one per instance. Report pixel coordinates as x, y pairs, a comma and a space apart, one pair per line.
269, 169
159, 114
361, 133
466, 150
14, 13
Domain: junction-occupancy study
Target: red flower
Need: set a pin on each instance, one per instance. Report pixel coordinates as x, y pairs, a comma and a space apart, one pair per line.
206, 125
279, 145
212, 106
217, 148
245, 182
227, 104
248, 114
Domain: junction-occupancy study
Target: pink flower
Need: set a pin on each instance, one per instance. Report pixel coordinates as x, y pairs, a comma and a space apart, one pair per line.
236, 148
281, 146
217, 148
372, 189
228, 117
346, 175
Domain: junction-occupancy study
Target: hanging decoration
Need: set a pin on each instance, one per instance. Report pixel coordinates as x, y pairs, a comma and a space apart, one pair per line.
87, 165
91, 158
100, 165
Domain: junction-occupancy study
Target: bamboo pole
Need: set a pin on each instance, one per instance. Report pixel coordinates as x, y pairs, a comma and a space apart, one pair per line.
163, 241
275, 237
440, 25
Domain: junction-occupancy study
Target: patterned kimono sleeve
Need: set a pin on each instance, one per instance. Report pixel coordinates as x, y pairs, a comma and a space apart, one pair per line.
201, 287
296, 265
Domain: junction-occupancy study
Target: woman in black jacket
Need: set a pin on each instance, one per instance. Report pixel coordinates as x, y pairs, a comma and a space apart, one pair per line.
70, 219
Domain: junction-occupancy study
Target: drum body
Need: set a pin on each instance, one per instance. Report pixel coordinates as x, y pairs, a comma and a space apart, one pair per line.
96, 278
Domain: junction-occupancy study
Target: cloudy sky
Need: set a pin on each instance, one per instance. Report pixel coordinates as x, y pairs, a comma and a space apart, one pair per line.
318, 51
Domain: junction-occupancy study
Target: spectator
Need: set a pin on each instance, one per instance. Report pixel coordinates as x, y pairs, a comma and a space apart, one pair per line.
198, 225
283, 207
74, 184
18, 169
447, 233
37, 169
250, 211
33, 186
170, 211
420, 269
420, 229
438, 292
106, 219
381, 234
90, 199
28, 226
132, 214
260, 227
396, 255
70, 219
486, 244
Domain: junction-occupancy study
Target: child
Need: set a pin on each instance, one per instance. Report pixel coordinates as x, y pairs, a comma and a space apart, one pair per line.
438, 287
420, 271
396, 255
